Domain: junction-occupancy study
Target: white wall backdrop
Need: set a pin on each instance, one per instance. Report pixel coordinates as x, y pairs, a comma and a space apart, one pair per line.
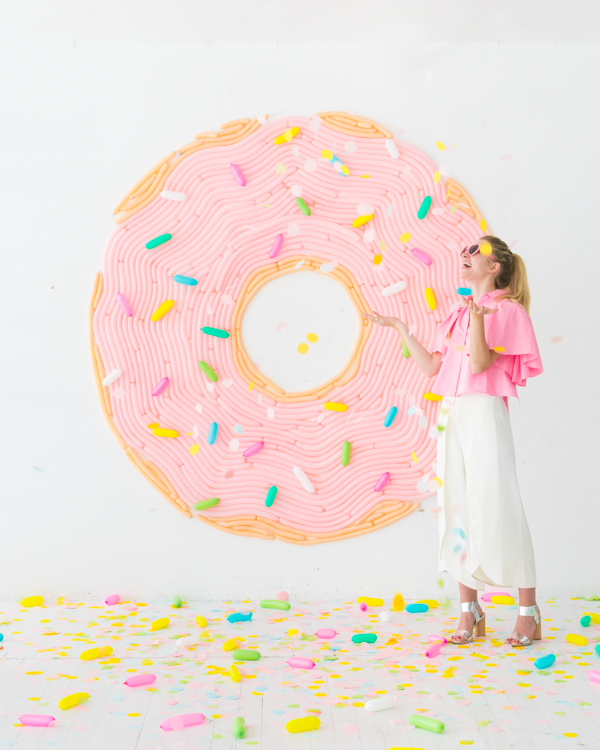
94, 94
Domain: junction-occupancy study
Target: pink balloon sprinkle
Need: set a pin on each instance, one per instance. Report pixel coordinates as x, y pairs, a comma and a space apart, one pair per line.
299, 663
124, 304
363, 607
112, 599
283, 596
382, 481
433, 650
36, 720
326, 633
238, 174
177, 723
594, 675
433, 638
420, 255
140, 679
253, 449
487, 597
276, 247
160, 386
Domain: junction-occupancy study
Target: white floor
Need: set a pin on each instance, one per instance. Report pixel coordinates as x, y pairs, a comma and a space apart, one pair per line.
493, 697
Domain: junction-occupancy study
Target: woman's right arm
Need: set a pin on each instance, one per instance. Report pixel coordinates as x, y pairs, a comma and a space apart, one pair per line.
428, 363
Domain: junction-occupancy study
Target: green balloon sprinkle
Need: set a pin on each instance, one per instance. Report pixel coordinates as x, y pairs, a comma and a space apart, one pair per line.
422, 212
218, 332
204, 504
208, 371
346, 453
158, 241
301, 203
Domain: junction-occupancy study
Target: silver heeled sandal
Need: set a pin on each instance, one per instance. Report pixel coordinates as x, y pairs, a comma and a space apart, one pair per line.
478, 628
533, 611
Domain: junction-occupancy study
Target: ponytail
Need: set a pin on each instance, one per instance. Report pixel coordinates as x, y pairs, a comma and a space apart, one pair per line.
512, 275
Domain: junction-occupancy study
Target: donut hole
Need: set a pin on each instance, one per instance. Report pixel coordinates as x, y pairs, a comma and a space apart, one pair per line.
320, 338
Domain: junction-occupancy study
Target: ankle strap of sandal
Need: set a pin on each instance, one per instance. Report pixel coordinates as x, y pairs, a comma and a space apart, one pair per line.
529, 611
472, 608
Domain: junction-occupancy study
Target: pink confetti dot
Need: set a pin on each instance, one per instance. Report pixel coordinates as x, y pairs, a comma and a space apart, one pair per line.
283, 596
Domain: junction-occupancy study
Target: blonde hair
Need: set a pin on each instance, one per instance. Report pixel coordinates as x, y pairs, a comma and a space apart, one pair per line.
512, 275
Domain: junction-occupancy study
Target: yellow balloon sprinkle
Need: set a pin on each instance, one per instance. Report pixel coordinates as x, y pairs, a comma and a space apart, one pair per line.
302, 348
430, 297
499, 349
577, 640
483, 224
288, 135
502, 600
164, 308
485, 248
333, 406
312, 337
432, 397
280, 168
382, 245
437, 177
194, 449
440, 145
370, 601
365, 176
32, 601
360, 220
344, 170
438, 481
250, 386
377, 259
431, 603
201, 621
153, 425
414, 456
163, 432
398, 603
405, 236
326, 154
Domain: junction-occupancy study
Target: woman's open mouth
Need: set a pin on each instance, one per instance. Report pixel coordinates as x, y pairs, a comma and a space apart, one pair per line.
465, 264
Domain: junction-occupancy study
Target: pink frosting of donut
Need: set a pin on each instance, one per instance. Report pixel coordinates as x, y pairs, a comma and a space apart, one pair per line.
222, 233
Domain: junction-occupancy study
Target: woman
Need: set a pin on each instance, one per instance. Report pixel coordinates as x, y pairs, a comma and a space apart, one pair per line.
481, 352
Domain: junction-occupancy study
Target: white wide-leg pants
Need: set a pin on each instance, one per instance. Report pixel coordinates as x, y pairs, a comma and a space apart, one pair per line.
483, 532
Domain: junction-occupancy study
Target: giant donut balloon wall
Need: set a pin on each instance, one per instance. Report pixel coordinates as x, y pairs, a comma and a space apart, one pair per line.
196, 238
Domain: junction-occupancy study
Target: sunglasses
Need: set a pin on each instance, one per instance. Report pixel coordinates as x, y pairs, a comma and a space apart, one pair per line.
473, 250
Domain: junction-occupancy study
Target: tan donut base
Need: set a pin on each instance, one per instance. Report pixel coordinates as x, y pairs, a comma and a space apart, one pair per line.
258, 279
142, 193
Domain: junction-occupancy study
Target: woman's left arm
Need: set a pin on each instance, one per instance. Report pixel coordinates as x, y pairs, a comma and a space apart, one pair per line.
480, 355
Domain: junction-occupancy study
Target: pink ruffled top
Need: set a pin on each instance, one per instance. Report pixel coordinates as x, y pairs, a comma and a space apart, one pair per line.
510, 328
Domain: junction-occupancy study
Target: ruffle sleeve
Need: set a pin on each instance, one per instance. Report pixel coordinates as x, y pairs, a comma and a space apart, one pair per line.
440, 340
510, 331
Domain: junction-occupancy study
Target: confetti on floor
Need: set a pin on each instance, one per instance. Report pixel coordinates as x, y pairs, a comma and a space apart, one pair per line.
489, 696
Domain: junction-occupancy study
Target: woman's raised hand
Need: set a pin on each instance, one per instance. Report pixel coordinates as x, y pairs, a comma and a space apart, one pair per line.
381, 320
479, 310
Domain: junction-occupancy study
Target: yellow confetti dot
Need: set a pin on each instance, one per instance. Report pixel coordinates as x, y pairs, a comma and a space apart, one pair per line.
280, 168
34, 699
326, 154
358, 705
414, 456
133, 714
312, 337
302, 348
377, 259
440, 145
292, 631
194, 449
382, 245
465, 742
34, 673
570, 734
485, 248
437, 177
483, 225
405, 236
147, 662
